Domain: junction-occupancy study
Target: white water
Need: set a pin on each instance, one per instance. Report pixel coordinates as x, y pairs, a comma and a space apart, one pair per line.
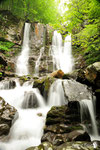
37, 64
56, 94
22, 61
87, 108
28, 128
62, 54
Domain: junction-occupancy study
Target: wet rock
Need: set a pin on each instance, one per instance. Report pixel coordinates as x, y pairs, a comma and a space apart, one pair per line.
76, 146
39, 114
7, 84
43, 84
30, 101
75, 91
78, 75
9, 74
57, 74
92, 74
7, 113
63, 124
78, 135
43, 146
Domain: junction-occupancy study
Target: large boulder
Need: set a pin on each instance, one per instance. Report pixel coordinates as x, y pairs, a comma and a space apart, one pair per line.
92, 74
7, 113
30, 100
64, 124
75, 91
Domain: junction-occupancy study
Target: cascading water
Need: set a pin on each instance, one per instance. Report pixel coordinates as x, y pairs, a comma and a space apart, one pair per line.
56, 94
62, 55
27, 129
87, 111
37, 64
22, 61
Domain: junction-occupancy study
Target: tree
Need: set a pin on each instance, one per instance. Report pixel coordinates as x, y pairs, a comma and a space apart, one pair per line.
44, 11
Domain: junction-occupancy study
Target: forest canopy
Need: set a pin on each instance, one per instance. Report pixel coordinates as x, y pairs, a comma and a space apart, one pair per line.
82, 20
44, 11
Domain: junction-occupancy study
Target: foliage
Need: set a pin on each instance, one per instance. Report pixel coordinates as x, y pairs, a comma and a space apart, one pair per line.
82, 20
44, 11
5, 45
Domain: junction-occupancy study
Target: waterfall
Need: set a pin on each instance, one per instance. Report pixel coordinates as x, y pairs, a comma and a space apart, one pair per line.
22, 61
88, 118
61, 54
27, 129
37, 64
56, 94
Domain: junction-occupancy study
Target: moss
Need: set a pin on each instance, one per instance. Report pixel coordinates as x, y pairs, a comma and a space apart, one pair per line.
43, 85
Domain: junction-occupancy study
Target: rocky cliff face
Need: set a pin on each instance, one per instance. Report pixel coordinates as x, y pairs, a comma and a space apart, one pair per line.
40, 38
11, 31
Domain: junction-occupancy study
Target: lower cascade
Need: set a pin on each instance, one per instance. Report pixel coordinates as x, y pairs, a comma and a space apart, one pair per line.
27, 128
88, 114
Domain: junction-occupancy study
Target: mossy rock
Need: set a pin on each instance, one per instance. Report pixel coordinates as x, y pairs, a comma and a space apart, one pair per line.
43, 146
43, 84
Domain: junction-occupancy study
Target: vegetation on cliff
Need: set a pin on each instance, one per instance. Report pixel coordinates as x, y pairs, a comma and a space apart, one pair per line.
82, 20
33, 10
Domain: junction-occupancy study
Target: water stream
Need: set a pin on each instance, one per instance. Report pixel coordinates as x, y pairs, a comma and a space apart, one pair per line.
88, 118
22, 61
37, 64
62, 53
27, 129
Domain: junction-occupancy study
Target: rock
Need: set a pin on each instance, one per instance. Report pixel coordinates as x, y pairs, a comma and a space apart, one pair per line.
39, 114
78, 75
12, 26
43, 146
3, 62
92, 74
30, 101
9, 74
75, 91
7, 113
76, 146
43, 84
63, 124
10, 66
57, 74
78, 135
7, 84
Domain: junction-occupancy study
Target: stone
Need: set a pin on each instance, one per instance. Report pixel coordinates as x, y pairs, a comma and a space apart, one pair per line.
92, 74
75, 91
57, 74
7, 84
43, 84
7, 114
43, 146
76, 146
30, 101
78, 135
63, 124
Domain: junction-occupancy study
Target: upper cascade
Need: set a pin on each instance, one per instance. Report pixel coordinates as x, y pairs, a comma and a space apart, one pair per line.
22, 61
62, 53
